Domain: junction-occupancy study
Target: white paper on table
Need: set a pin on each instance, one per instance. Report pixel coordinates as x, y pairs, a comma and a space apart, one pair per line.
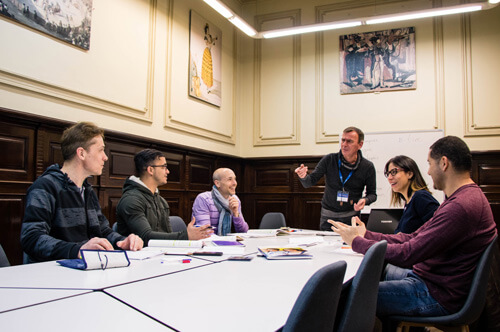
306, 240
145, 253
175, 243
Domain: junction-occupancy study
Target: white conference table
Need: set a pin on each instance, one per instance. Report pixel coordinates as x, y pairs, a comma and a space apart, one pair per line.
233, 295
15, 298
51, 275
94, 311
203, 295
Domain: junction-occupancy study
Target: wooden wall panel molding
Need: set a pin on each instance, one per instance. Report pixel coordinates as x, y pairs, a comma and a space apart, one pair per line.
17, 144
177, 167
473, 125
181, 125
56, 93
48, 149
175, 200
439, 122
120, 164
260, 205
108, 199
200, 170
274, 179
309, 211
12, 212
260, 137
486, 173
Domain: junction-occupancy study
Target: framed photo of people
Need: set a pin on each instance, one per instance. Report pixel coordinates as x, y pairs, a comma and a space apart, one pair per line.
68, 21
378, 61
205, 60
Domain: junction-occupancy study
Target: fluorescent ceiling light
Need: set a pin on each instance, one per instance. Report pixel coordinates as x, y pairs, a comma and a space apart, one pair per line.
232, 17
220, 8
243, 26
309, 28
425, 14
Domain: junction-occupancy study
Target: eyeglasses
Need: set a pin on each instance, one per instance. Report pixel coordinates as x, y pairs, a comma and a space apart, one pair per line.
162, 166
392, 172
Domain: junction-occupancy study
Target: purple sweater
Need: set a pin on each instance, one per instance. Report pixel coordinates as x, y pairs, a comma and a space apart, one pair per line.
444, 252
205, 211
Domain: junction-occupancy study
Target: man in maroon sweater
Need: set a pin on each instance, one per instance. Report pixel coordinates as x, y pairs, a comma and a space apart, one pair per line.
430, 271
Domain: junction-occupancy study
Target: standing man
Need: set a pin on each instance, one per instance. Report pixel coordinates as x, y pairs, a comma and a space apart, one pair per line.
220, 207
430, 271
142, 210
63, 214
347, 174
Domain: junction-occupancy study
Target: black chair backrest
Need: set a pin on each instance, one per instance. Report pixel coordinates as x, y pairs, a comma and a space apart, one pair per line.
272, 220
358, 312
316, 305
474, 304
178, 225
4, 261
383, 220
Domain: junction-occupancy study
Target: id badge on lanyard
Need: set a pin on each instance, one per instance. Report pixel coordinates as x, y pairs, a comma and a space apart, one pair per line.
342, 195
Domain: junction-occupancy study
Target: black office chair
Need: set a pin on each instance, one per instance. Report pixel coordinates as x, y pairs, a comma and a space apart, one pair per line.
472, 308
178, 225
272, 220
4, 261
358, 311
316, 306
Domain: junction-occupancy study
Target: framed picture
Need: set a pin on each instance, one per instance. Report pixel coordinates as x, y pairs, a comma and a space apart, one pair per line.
378, 61
205, 60
65, 20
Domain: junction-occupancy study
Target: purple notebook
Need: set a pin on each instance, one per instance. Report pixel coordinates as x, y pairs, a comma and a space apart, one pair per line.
227, 243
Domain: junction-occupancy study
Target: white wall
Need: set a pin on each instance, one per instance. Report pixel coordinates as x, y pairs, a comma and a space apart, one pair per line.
133, 79
445, 50
279, 97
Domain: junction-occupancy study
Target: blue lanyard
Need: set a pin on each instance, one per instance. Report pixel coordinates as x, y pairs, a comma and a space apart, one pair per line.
342, 178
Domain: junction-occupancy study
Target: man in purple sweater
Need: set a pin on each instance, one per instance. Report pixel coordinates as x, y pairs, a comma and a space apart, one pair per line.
430, 270
220, 207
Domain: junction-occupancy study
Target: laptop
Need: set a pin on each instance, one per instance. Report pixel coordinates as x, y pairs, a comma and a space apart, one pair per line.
384, 220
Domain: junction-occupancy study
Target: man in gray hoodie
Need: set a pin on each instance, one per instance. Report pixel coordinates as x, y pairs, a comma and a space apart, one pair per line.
142, 210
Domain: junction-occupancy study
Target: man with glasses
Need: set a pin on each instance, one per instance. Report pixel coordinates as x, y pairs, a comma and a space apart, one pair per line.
63, 214
347, 174
142, 210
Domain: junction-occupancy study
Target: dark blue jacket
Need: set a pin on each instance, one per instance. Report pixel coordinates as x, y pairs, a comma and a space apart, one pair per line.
57, 221
416, 213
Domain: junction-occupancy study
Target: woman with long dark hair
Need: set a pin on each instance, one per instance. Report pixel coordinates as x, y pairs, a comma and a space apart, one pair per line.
409, 189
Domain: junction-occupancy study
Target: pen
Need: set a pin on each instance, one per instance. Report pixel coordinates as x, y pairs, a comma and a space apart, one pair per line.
176, 260
209, 227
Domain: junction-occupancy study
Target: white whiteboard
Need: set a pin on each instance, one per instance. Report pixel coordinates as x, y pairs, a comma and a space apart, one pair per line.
382, 146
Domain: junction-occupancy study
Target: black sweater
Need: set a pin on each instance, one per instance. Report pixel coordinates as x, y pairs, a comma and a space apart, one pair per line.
364, 175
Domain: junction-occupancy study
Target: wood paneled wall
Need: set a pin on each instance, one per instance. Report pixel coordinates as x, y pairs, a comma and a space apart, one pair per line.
30, 144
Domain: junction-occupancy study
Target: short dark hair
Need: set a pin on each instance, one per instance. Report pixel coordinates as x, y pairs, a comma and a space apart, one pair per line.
144, 158
361, 135
455, 150
78, 135
417, 182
